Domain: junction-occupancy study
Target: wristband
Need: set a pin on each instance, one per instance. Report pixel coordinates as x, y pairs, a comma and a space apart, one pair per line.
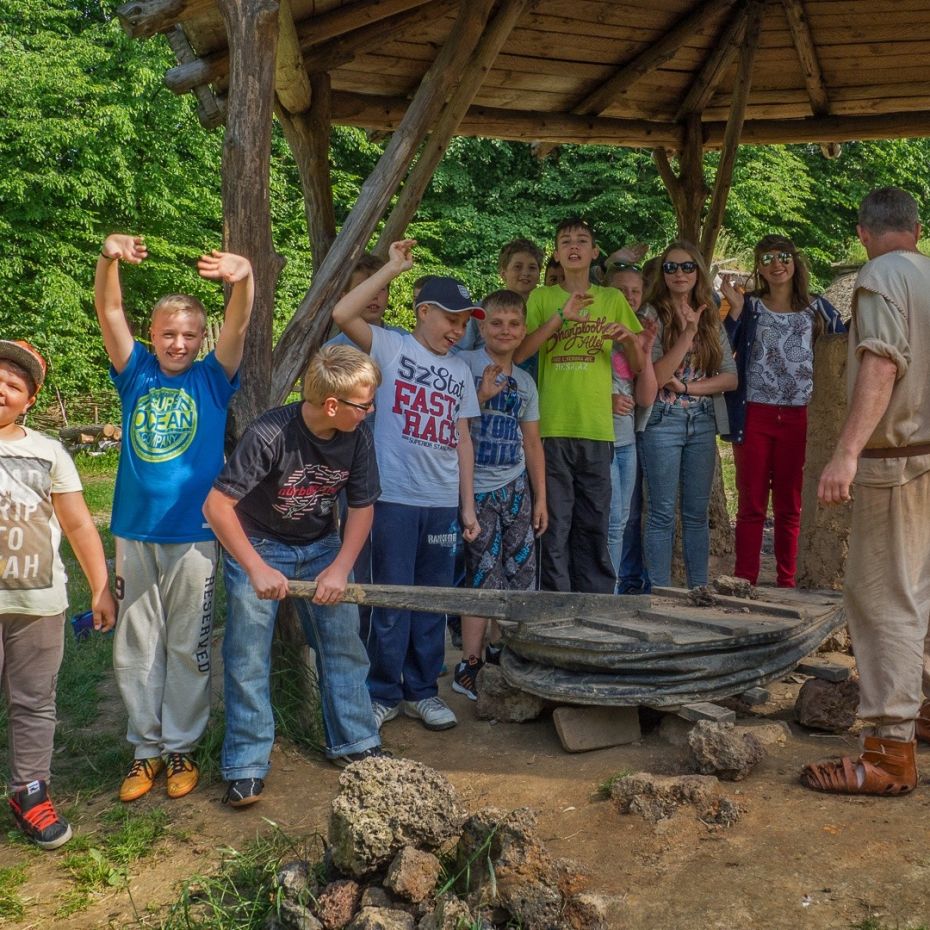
562, 314
109, 258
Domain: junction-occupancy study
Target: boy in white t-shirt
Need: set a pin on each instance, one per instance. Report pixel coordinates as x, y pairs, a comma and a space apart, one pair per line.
426, 462
40, 496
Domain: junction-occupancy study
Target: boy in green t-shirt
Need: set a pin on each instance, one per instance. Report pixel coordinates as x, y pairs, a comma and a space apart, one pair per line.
574, 327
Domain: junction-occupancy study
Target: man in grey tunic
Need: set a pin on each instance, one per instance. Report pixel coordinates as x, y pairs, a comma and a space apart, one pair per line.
884, 452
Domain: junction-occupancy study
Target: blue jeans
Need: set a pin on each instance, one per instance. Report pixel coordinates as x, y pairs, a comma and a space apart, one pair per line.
678, 462
632, 577
415, 546
622, 479
331, 631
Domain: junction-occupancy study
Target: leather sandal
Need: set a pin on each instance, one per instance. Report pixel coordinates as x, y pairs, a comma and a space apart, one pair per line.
889, 766
922, 722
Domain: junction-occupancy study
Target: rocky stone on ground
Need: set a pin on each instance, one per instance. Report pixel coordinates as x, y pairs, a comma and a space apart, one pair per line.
675, 730
497, 700
731, 586
656, 797
523, 878
721, 749
382, 918
376, 896
338, 902
723, 812
292, 916
768, 732
385, 804
837, 641
449, 913
827, 705
412, 874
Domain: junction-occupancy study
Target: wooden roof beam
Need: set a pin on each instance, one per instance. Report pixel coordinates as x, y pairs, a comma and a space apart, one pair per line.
291, 84
328, 46
142, 19
209, 111
807, 54
715, 66
731, 137
650, 58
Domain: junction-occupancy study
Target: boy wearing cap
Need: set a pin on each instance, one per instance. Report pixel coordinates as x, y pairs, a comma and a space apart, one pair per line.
426, 461
174, 420
40, 497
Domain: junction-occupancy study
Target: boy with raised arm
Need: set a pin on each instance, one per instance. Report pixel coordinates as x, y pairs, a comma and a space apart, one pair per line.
174, 419
426, 461
573, 326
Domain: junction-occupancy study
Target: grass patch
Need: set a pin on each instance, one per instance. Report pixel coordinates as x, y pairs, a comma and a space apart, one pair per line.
604, 788
100, 862
728, 468
241, 893
872, 923
11, 904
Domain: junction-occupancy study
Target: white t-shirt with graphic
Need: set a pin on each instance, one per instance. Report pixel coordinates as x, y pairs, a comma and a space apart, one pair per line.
32, 575
419, 403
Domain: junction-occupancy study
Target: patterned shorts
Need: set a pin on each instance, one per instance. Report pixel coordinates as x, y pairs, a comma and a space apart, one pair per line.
503, 557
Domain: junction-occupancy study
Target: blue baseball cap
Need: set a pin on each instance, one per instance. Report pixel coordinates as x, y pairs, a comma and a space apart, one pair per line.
448, 294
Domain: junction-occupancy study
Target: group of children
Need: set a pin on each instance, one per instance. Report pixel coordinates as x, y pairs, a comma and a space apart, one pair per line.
404, 445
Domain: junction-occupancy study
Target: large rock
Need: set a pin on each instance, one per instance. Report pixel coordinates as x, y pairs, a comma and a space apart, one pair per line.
498, 700
449, 913
828, 705
723, 750
385, 804
293, 916
412, 874
338, 902
656, 797
379, 918
522, 877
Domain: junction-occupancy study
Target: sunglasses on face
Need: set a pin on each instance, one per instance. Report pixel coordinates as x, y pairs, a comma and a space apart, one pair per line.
350, 403
768, 257
625, 266
686, 267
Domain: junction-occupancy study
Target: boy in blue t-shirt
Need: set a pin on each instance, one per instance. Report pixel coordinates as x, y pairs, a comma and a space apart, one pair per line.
426, 461
510, 476
174, 419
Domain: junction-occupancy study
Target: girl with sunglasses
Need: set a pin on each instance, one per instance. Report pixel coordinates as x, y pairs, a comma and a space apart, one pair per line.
773, 329
693, 362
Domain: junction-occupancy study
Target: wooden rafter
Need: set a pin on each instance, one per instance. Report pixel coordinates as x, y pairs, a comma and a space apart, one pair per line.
422, 173
715, 66
142, 19
209, 111
731, 139
807, 55
599, 100
321, 42
291, 84
310, 322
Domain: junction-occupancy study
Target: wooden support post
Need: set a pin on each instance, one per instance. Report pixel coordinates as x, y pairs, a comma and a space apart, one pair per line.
306, 329
252, 30
208, 111
292, 85
308, 136
417, 182
724, 178
687, 189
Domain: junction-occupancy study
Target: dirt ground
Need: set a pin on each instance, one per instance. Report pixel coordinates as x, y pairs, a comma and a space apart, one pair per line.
795, 860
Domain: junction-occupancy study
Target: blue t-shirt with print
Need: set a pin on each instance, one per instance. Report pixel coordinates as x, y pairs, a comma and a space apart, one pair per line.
496, 434
172, 450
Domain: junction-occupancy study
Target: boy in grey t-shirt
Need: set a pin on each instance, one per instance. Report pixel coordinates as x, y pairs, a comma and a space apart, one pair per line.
509, 464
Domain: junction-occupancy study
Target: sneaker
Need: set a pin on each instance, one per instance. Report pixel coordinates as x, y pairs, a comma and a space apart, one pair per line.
432, 712
376, 752
465, 677
383, 713
37, 818
140, 778
243, 791
492, 653
183, 774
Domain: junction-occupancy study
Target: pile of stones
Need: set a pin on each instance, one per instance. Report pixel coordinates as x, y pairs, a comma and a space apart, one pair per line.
403, 855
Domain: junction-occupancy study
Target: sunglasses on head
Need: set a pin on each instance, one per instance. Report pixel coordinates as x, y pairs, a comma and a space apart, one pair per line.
768, 257
672, 267
625, 266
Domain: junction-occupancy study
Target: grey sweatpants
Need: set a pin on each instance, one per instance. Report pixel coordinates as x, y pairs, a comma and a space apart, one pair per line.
161, 650
887, 597
30, 656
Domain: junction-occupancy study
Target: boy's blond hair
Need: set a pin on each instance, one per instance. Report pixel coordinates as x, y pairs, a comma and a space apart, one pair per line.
337, 371
180, 303
504, 299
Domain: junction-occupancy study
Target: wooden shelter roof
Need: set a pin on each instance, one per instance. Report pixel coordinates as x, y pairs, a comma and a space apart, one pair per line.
604, 71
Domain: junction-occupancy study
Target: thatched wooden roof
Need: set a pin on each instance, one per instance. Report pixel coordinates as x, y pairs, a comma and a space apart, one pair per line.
604, 71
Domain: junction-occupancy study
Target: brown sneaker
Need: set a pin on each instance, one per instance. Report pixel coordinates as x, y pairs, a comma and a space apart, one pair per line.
923, 723
183, 774
140, 778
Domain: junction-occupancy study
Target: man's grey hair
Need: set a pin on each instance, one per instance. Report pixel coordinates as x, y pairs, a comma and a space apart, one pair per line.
888, 209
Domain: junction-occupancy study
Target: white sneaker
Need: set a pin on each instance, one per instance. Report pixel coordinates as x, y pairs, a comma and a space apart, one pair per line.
433, 712
383, 713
